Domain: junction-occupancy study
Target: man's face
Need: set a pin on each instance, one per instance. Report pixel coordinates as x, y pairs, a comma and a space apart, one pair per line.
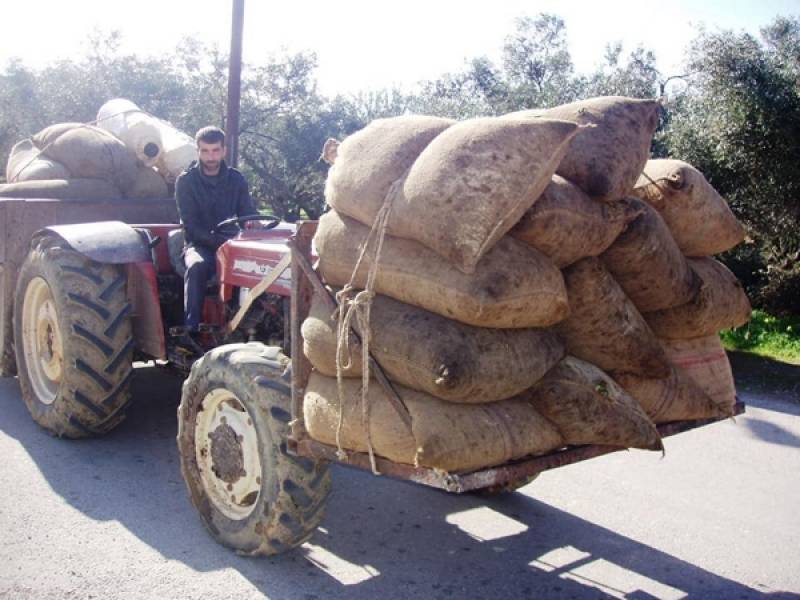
210, 156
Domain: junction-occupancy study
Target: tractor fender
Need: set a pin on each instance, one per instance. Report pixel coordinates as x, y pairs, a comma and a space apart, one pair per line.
111, 242
115, 242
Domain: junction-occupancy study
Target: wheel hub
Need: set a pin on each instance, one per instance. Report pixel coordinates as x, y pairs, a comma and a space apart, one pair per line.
41, 340
227, 452
227, 460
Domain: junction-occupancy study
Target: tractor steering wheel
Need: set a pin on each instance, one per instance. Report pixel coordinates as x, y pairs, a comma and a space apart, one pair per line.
232, 226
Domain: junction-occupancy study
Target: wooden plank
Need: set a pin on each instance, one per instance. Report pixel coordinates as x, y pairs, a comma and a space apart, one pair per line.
300, 248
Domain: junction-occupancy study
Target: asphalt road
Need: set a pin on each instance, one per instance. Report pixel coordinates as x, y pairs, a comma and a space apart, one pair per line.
718, 517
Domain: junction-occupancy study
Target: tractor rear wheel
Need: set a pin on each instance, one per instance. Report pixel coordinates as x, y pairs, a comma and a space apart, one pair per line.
233, 425
72, 338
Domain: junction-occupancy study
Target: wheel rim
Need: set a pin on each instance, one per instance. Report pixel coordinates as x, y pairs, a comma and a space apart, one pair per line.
227, 452
41, 341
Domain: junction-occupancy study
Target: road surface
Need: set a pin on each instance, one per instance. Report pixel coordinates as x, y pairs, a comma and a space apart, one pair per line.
717, 517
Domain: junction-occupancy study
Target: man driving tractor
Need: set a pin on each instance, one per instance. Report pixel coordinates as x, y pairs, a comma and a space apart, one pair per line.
207, 193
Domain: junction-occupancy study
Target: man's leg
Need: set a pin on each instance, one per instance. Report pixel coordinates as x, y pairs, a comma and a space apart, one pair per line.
201, 265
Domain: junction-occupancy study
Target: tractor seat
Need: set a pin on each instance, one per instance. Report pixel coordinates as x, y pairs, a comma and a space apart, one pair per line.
175, 243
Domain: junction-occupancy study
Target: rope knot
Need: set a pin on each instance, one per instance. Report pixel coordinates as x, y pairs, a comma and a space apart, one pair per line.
357, 304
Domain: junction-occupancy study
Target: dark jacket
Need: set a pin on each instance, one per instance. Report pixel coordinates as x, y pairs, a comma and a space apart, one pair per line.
205, 201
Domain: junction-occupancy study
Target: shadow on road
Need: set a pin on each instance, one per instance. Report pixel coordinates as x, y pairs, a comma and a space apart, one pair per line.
765, 376
772, 433
380, 538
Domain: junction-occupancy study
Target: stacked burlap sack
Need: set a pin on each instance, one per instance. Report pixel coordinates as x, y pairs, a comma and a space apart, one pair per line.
73, 161
124, 156
526, 289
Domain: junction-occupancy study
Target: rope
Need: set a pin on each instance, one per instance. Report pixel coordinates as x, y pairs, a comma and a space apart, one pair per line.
359, 305
650, 179
658, 183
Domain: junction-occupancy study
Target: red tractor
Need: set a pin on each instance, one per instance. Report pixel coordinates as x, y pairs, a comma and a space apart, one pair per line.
91, 299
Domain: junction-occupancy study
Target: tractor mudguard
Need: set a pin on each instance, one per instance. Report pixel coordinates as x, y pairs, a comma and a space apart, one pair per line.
115, 242
111, 242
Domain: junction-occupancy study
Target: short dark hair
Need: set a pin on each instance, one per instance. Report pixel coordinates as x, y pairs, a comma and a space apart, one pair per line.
210, 135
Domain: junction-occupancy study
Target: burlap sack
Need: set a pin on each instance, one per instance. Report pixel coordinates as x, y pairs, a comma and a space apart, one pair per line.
89, 152
588, 407
370, 160
443, 435
444, 358
62, 189
673, 398
474, 181
606, 160
720, 304
604, 327
704, 361
513, 285
566, 225
649, 266
25, 163
698, 217
149, 184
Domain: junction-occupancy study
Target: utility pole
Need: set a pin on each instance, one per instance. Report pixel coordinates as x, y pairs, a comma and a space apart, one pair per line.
234, 83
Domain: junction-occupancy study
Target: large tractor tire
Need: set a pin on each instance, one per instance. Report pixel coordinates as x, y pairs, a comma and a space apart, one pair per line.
233, 424
72, 338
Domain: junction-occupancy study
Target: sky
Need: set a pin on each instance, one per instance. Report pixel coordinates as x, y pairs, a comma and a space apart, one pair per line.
363, 45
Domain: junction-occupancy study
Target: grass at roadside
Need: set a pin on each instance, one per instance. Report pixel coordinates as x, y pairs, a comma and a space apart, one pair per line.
765, 335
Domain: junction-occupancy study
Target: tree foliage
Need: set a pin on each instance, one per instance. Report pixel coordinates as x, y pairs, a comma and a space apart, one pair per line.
740, 124
284, 120
738, 120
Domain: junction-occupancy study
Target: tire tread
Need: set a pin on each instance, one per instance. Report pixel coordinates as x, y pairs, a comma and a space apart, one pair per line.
302, 485
94, 314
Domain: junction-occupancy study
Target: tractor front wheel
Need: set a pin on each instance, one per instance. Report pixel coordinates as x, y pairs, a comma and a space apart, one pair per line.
233, 424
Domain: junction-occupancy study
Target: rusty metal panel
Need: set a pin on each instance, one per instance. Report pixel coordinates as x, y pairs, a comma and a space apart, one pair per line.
146, 318
6, 349
20, 218
16, 248
127, 211
36, 215
8, 365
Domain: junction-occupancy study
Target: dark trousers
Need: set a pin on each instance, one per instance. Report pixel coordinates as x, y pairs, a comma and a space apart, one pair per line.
201, 266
